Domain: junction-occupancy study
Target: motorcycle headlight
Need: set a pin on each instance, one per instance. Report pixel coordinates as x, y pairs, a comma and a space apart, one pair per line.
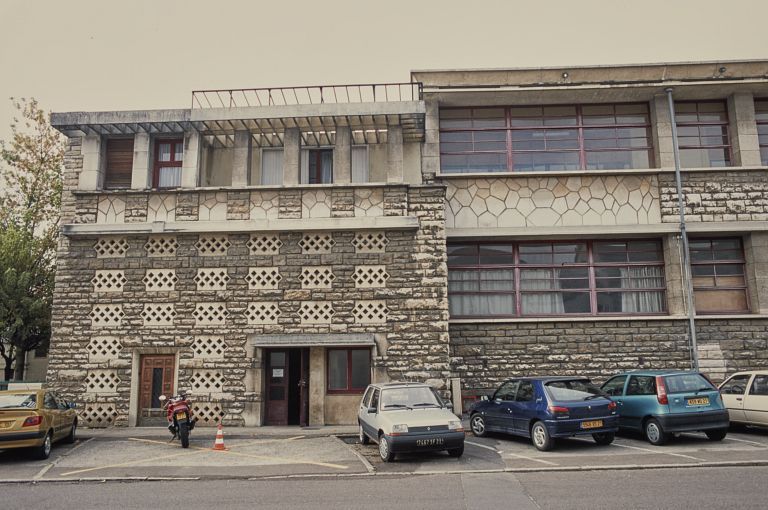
455, 425
400, 428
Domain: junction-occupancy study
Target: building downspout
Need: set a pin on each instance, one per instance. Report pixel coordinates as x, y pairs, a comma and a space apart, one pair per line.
686, 272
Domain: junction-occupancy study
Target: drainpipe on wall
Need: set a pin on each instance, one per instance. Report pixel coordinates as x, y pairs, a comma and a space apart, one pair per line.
686, 273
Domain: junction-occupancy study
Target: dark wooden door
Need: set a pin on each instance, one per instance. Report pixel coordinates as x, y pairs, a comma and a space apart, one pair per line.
277, 387
304, 388
157, 374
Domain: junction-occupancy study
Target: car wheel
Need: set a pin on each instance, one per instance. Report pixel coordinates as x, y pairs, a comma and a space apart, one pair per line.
654, 433
456, 452
477, 424
43, 451
385, 450
363, 438
717, 434
71, 437
604, 438
540, 437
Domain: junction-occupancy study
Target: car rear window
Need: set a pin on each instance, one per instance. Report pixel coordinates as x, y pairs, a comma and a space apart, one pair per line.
18, 400
573, 390
687, 382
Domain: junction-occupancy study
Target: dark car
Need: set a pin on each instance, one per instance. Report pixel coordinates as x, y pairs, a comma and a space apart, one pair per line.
544, 408
660, 403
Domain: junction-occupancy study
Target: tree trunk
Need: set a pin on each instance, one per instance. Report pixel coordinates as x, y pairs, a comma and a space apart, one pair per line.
8, 372
19, 368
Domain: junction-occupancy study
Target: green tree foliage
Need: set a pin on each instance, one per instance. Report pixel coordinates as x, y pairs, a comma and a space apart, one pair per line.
30, 201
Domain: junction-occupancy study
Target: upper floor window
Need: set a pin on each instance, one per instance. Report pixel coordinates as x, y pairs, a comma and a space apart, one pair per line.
118, 165
761, 115
563, 278
360, 169
168, 159
317, 166
272, 167
719, 282
702, 133
545, 138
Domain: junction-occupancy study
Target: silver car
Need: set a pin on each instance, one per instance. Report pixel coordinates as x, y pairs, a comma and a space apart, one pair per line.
408, 417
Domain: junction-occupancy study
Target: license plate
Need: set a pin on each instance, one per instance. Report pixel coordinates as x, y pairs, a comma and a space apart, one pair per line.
181, 416
435, 441
594, 424
703, 401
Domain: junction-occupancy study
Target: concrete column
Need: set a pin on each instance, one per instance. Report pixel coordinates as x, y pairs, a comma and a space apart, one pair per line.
661, 125
142, 162
395, 154
430, 149
317, 385
743, 129
190, 168
756, 256
92, 174
342, 156
241, 159
673, 274
291, 155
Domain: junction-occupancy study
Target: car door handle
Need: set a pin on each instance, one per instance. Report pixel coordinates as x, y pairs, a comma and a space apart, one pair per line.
739, 399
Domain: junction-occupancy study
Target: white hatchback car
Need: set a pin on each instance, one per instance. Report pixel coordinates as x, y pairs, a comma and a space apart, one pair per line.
408, 417
745, 394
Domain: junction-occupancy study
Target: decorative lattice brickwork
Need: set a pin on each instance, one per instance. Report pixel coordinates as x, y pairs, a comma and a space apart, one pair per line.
158, 314
161, 246
316, 243
105, 315
263, 312
212, 278
317, 277
102, 381
213, 245
157, 280
111, 247
208, 414
102, 348
209, 347
206, 382
108, 280
367, 277
263, 278
316, 312
370, 242
210, 314
98, 414
370, 312
264, 244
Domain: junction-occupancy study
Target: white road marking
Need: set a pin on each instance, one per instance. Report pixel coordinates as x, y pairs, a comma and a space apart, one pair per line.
532, 459
658, 452
48, 467
482, 446
729, 438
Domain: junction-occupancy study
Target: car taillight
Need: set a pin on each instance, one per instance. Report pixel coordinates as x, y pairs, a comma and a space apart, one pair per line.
661, 391
612, 406
32, 421
559, 411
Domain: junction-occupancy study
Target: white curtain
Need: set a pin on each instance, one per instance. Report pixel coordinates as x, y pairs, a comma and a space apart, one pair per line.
272, 167
360, 172
641, 278
169, 177
541, 303
304, 167
481, 304
327, 171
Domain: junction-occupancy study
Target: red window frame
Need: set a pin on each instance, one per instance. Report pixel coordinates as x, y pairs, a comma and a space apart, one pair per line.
172, 163
699, 124
551, 127
715, 261
349, 389
591, 264
761, 118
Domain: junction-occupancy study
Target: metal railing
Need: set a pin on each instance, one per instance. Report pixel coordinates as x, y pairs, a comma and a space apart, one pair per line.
319, 94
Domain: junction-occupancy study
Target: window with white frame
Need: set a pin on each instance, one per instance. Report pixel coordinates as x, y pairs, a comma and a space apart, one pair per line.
271, 167
317, 166
360, 170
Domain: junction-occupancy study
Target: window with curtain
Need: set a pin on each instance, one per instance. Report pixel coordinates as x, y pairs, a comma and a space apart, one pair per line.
360, 171
168, 158
349, 370
556, 278
702, 133
761, 115
272, 167
545, 138
317, 166
719, 282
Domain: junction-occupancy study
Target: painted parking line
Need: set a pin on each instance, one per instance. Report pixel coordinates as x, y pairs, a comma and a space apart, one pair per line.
483, 446
648, 450
761, 445
48, 467
130, 463
510, 454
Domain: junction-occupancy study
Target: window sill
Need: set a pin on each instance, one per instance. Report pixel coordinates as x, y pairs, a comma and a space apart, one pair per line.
208, 189
634, 171
603, 318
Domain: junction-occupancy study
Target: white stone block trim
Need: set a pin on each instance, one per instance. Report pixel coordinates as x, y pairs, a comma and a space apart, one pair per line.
265, 244
316, 243
370, 311
104, 348
111, 247
370, 242
161, 246
212, 278
108, 280
212, 245
158, 314
317, 277
210, 314
159, 280
316, 312
101, 381
106, 315
263, 278
209, 347
370, 276
263, 312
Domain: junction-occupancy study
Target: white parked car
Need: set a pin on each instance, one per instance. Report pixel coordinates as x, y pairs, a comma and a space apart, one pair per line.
408, 417
745, 394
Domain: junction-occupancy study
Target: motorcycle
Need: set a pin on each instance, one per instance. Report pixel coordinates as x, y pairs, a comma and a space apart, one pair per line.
180, 419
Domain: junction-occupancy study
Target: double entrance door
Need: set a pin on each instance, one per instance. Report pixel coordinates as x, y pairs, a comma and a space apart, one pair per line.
287, 387
156, 378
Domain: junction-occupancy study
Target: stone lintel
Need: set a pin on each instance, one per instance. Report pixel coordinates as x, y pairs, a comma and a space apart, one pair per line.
312, 340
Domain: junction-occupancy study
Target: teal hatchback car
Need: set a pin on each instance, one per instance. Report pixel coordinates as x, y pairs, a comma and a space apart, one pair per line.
662, 403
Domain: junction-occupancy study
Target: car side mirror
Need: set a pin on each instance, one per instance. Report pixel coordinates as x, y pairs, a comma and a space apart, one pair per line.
371, 410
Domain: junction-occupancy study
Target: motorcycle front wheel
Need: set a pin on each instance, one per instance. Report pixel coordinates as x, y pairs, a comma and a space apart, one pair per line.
184, 434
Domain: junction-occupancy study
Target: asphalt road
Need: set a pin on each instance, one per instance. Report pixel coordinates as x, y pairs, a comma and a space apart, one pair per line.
699, 488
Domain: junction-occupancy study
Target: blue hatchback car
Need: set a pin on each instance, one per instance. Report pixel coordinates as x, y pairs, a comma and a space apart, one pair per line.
544, 408
661, 403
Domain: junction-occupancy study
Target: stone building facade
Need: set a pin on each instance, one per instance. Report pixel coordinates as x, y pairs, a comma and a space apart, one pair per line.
272, 257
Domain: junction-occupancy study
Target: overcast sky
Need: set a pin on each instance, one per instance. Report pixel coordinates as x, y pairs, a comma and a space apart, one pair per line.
142, 54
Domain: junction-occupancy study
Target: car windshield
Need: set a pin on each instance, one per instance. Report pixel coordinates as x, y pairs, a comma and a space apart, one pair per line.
573, 390
20, 400
408, 398
687, 382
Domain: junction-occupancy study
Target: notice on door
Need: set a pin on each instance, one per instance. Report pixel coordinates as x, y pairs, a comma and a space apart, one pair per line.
277, 372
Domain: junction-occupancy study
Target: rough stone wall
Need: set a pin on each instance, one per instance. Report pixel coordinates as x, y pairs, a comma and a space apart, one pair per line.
736, 195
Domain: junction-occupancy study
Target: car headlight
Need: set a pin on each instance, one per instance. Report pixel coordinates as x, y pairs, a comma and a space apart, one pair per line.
400, 428
455, 425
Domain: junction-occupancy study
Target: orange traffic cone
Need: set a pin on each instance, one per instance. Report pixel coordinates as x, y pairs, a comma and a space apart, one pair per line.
219, 444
